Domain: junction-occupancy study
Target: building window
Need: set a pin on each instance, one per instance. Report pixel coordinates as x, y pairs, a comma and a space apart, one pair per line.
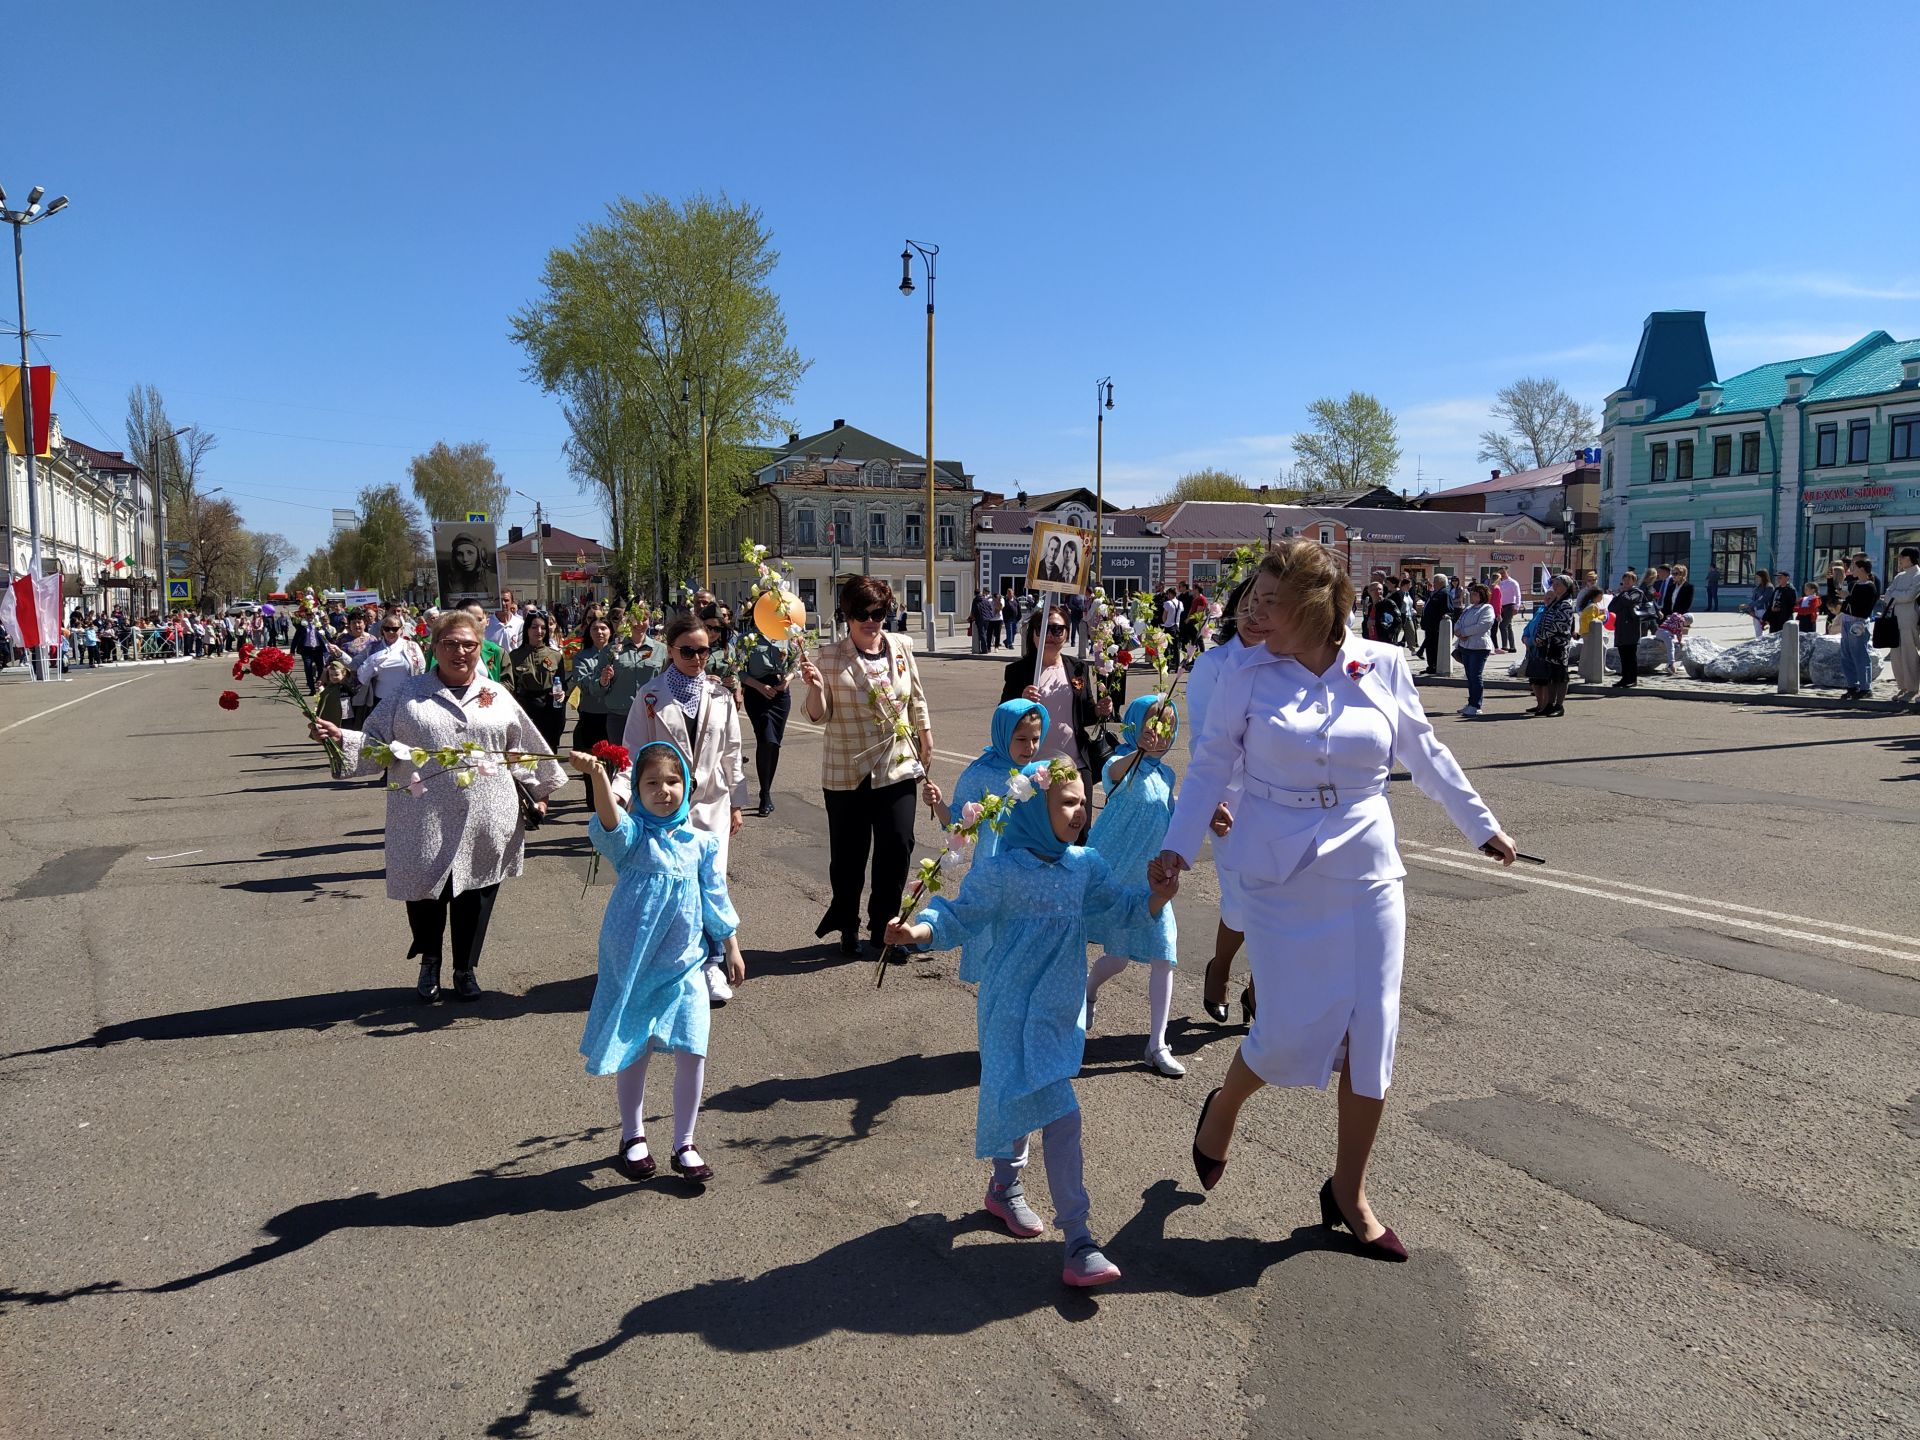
1326, 535
1835, 545
1723, 455
911, 526
1859, 441
810, 596
1683, 459
1750, 453
1659, 456
1733, 553
1906, 438
843, 528
877, 529
803, 528
948, 533
915, 589
1826, 446
949, 598
1606, 479
1669, 547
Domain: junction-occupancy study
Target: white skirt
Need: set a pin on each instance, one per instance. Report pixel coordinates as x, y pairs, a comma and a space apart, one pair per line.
1233, 897
1326, 957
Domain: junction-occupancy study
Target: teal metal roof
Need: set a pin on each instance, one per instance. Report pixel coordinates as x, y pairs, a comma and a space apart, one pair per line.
1765, 386
1872, 373
1674, 359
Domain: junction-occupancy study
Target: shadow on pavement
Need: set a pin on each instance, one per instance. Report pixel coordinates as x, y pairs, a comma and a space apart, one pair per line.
909, 1279
872, 1089
382, 1012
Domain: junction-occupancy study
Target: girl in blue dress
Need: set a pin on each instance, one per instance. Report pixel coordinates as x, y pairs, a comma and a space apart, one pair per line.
1036, 893
1014, 739
669, 896
1129, 833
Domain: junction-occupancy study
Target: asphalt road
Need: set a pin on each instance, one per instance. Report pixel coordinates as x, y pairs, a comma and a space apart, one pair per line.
1653, 1136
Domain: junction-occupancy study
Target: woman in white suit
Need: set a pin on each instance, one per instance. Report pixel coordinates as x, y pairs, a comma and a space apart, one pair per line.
696, 714
1314, 722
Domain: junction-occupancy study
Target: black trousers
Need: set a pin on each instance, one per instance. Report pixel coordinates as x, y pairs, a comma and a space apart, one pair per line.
879, 820
589, 730
1629, 647
769, 721
549, 719
1503, 630
471, 911
314, 662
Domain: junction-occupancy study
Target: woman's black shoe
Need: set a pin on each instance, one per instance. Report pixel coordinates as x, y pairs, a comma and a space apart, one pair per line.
1247, 1009
850, 944
766, 807
428, 986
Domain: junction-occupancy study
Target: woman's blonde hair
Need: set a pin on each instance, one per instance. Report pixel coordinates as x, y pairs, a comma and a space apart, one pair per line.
454, 620
1313, 587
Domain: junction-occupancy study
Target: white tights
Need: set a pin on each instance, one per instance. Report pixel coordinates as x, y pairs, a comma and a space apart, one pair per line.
689, 1078
1159, 991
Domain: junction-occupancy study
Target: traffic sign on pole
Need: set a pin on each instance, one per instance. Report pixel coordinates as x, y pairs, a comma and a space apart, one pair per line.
179, 592
476, 517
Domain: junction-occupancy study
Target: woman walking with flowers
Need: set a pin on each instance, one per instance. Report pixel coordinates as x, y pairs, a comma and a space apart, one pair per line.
866, 690
454, 744
1036, 895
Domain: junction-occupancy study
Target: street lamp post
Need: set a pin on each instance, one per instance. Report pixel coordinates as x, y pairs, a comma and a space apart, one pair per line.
927, 254
1269, 532
20, 219
157, 448
706, 525
539, 552
1806, 547
1102, 402
1566, 532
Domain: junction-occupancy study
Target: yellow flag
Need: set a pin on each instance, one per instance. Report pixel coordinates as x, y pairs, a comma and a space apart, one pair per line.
12, 398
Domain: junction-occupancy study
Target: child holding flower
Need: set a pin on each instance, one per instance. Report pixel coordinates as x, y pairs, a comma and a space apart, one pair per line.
1129, 833
1035, 897
669, 896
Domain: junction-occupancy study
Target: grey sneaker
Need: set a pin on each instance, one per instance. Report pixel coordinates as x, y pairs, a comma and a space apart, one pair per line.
1010, 1208
1086, 1266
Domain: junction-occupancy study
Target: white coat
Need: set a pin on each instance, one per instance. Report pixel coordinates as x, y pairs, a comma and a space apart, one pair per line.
719, 773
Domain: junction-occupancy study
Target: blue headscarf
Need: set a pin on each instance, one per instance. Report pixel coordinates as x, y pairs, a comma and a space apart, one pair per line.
1136, 716
653, 823
1030, 824
1006, 720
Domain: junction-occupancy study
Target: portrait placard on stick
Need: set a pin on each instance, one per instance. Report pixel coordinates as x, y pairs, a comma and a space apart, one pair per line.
465, 558
1059, 557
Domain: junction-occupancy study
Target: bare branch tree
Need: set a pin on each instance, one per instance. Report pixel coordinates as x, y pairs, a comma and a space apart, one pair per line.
1543, 426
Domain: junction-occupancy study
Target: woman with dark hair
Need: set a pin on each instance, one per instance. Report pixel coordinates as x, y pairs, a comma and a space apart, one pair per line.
592, 673
865, 688
534, 668
694, 712
1856, 627
1550, 632
764, 682
1066, 686
1315, 723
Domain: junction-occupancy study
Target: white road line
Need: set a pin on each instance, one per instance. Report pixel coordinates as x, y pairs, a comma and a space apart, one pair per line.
1480, 868
75, 701
1634, 888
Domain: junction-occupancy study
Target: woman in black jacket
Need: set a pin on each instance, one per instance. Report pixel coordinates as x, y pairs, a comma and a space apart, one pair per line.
1681, 596
1068, 687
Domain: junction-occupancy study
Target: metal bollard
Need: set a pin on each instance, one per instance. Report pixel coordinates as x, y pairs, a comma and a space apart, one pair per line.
1789, 681
1593, 654
1443, 647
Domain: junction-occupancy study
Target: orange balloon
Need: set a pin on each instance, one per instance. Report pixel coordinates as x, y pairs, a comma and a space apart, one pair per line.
776, 611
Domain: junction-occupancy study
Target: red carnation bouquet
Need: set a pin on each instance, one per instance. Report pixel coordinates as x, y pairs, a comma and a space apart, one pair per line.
614, 759
276, 665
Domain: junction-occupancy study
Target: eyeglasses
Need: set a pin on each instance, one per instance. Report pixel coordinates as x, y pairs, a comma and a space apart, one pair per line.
694, 652
1056, 629
389, 629
461, 647
866, 617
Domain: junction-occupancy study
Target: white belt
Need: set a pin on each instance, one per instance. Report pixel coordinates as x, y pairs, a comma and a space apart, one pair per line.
1321, 797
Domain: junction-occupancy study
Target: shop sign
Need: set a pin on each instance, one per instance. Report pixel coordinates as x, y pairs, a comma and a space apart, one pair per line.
1854, 497
1125, 562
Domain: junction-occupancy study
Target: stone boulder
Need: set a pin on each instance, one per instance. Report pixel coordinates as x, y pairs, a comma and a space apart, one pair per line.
1756, 661
1696, 654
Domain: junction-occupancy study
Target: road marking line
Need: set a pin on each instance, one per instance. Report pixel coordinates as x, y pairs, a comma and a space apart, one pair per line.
1633, 887
1480, 869
75, 701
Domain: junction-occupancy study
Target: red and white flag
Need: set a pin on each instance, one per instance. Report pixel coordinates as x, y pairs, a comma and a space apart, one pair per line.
32, 625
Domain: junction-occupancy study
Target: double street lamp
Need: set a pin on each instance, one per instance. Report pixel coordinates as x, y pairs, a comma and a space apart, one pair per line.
33, 214
927, 254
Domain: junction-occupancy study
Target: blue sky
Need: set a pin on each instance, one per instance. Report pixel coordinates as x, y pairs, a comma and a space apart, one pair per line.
308, 224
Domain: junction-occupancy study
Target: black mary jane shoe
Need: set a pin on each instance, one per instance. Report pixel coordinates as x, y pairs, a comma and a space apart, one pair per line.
428, 985
696, 1174
641, 1169
465, 986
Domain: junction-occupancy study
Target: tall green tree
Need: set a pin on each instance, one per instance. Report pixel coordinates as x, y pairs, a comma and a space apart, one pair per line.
453, 480
1542, 425
266, 555
654, 317
1353, 443
1209, 485
392, 542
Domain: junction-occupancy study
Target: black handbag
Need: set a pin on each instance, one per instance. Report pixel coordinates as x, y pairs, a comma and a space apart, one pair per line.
530, 815
1101, 745
1886, 629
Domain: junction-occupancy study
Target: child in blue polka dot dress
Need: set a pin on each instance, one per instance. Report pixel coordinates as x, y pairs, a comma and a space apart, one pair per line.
1130, 831
1035, 897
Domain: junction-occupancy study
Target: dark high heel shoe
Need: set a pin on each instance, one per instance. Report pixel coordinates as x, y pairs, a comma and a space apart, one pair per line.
1216, 1009
1246, 1006
698, 1174
1207, 1169
1384, 1246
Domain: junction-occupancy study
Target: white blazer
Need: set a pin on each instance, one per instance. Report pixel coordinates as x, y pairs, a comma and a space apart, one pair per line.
1320, 801
719, 774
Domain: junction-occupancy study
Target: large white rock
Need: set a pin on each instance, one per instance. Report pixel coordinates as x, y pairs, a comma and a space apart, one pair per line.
1752, 661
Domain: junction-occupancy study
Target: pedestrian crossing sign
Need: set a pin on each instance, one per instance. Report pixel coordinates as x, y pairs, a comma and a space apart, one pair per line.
180, 591
476, 517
